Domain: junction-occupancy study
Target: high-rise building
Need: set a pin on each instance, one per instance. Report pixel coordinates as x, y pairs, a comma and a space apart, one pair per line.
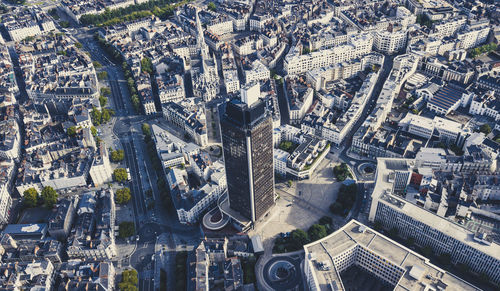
248, 154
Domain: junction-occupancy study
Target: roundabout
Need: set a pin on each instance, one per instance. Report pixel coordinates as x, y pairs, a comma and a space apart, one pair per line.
283, 273
367, 169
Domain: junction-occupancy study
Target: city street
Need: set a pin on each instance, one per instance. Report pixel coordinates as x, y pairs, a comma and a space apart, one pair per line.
152, 222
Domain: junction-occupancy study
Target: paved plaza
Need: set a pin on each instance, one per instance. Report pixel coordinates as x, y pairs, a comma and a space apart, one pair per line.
301, 205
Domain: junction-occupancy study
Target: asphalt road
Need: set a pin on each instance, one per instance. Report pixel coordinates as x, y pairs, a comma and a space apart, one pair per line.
150, 223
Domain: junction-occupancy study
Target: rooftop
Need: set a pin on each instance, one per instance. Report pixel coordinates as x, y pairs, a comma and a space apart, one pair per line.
416, 270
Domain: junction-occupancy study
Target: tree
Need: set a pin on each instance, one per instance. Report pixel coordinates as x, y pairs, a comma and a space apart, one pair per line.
129, 280
117, 156
336, 208
326, 220
485, 128
341, 172
427, 251
289, 183
103, 100
463, 268
120, 175
445, 259
211, 6
78, 45
96, 116
299, 238
64, 24
123, 196
72, 131
393, 232
97, 65
146, 129
49, 196
93, 130
146, 65
105, 115
103, 75
317, 231
105, 91
410, 241
30, 197
126, 229
287, 146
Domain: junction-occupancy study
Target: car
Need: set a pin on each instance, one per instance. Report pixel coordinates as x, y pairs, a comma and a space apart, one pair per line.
137, 238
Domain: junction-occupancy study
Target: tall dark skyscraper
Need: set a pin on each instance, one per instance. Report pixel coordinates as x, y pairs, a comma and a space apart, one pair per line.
248, 154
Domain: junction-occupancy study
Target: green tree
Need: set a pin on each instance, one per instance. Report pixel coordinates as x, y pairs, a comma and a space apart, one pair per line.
463, 268
103, 100
78, 45
122, 196
117, 156
96, 116
120, 175
299, 238
97, 65
105, 115
377, 225
393, 232
49, 196
445, 259
317, 231
289, 183
336, 208
485, 128
146, 65
129, 280
72, 131
102, 75
211, 6
326, 220
427, 251
30, 197
64, 24
93, 130
342, 172
105, 91
126, 229
146, 129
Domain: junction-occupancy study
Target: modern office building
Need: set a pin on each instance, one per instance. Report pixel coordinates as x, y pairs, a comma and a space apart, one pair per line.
389, 207
391, 263
247, 139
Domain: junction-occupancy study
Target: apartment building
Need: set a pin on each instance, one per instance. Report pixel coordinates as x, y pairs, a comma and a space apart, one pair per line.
190, 201
101, 171
255, 71
10, 139
358, 45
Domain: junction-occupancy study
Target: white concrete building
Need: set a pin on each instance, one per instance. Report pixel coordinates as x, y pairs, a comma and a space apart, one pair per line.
101, 171
355, 244
390, 42
191, 202
358, 45
170, 88
391, 210
256, 71
10, 139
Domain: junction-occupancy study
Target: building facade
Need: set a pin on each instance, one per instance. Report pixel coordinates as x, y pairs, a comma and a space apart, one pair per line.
246, 130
